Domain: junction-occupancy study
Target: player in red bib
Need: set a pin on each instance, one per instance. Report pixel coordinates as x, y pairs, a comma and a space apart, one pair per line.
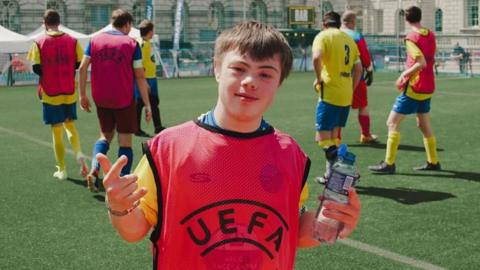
417, 84
224, 190
56, 56
116, 64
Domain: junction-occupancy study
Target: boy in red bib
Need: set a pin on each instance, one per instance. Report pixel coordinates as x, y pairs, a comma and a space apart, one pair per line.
417, 84
56, 56
116, 61
224, 190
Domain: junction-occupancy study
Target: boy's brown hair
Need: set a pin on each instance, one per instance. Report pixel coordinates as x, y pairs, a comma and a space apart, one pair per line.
331, 19
413, 14
145, 27
51, 17
259, 41
120, 18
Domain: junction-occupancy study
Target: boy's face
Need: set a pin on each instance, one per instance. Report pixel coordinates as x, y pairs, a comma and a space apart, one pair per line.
246, 87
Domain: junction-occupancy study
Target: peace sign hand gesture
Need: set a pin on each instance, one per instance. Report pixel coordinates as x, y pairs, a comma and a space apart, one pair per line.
122, 194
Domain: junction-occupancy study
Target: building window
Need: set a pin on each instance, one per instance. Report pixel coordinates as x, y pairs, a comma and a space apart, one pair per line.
325, 7
184, 22
138, 12
216, 16
359, 21
97, 17
60, 7
10, 15
472, 12
401, 21
379, 21
258, 11
438, 20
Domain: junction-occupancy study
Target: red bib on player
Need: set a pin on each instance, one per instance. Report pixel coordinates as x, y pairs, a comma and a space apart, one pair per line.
426, 81
58, 58
112, 70
228, 200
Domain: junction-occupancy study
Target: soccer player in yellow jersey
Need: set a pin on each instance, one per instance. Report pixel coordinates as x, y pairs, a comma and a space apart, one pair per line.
337, 69
417, 84
148, 59
51, 55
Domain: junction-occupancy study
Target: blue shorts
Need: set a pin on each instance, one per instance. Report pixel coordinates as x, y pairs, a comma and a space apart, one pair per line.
56, 114
407, 105
153, 88
330, 116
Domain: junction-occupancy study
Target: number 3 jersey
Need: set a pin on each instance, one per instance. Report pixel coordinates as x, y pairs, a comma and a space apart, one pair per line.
339, 54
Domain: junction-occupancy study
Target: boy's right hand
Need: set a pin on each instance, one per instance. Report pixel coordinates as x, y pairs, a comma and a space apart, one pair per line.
317, 86
148, 113
84, 103
122, 193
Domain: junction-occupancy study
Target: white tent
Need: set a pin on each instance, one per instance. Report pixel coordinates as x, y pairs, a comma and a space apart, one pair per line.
134, 32
11, 42
82, 38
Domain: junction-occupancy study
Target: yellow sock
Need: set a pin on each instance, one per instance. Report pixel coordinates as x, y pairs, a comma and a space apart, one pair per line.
325, 144
393, 142
73, 137
431, 149
58, 146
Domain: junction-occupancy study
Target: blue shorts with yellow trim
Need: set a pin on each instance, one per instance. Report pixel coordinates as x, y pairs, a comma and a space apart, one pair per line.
330, 116
407, 105
56, 114
152, 82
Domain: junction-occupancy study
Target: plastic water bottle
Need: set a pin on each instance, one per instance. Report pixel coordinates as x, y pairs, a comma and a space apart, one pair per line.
344, 175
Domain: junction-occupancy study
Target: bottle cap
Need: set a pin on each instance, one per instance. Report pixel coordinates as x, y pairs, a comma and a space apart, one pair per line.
342, 150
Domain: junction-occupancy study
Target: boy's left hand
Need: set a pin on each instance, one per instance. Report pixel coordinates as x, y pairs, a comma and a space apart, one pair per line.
317, 86
401, 82
348, 214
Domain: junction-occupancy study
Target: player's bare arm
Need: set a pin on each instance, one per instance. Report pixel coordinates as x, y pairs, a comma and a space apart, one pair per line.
420, 63
122, 199
317, 65
144, 91
357, 74
83, 71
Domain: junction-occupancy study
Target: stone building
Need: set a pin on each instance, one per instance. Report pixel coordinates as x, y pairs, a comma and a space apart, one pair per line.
203, 19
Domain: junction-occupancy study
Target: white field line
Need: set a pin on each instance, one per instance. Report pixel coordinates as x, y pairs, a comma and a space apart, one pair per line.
351, 243
34, 140
390, 255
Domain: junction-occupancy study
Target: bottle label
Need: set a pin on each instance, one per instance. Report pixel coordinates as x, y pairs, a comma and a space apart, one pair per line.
340, 183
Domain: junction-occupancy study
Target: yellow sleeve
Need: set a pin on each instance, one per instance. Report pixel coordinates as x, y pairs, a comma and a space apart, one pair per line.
318, 44
304, 195
148, 203
34, 54
79, 52
413, 50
